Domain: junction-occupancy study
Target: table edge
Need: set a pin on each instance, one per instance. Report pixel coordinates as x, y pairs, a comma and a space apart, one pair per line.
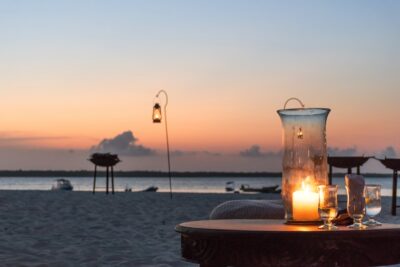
184, 229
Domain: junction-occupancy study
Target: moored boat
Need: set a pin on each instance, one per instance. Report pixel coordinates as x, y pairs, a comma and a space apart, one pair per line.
230, 186
150, 189
264, 189
62, 185
128, 189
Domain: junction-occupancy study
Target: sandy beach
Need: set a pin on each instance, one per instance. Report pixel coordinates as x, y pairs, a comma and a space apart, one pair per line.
45, 228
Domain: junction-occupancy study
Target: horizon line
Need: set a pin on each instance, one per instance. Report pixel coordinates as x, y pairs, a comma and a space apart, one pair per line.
158, 173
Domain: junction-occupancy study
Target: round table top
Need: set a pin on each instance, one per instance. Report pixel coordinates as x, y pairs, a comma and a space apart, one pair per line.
274, 243
273, 227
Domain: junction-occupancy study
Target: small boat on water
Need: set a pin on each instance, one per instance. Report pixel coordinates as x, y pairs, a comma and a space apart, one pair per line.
150, 189
230, 186
128, 189
62, 185
264, 189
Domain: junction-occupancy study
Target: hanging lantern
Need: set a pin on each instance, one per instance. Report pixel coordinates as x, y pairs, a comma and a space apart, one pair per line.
157, 113
304, 164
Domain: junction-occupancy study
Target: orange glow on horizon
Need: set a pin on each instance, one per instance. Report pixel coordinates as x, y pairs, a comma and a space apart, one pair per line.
216, 121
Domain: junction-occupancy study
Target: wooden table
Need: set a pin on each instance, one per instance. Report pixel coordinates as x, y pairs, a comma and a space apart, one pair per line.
272, 243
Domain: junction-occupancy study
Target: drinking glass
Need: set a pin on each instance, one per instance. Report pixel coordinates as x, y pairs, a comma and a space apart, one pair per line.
373, 206
356, 209
328, 205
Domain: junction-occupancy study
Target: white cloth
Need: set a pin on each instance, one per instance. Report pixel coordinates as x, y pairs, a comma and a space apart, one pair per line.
249, 209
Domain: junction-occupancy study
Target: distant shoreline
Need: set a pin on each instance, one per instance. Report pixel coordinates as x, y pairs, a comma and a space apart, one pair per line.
86, 173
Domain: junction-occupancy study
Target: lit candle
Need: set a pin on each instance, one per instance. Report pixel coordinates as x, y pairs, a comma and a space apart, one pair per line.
305, 205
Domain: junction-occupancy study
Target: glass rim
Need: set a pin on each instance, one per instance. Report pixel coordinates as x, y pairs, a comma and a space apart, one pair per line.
303, 111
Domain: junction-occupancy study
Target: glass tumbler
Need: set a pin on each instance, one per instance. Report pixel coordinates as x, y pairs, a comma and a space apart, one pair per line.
356, 209
328, 205
373, 205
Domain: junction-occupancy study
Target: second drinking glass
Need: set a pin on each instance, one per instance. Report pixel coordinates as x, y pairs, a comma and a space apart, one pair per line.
328, 205
356, 208
372, 203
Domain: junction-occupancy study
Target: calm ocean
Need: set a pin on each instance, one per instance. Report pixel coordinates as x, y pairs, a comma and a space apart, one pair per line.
194, 185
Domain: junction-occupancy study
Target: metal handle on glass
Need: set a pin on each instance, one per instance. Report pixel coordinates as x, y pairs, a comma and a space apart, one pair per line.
293, 98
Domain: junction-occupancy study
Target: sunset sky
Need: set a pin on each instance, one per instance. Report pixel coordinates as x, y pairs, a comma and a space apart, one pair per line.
76, 72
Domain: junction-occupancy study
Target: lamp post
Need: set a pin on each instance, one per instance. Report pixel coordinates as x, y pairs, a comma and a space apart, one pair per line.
157, 118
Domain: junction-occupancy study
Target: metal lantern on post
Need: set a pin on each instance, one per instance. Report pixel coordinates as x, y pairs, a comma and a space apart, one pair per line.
304, 161
157, 117
157, 113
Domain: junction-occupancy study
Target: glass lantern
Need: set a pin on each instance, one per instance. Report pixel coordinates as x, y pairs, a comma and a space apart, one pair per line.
157, 113
304, 161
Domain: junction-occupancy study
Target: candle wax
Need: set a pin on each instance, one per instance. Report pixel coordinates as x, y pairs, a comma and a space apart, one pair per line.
305, 206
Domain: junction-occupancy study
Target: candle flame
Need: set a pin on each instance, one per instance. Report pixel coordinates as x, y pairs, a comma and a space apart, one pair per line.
306, 184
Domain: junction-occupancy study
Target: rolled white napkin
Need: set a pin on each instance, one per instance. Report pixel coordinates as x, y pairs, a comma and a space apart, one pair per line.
355, 193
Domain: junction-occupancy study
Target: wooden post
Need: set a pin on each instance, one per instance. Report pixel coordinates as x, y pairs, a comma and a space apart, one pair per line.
358, 170
107, 180
330, 174
394, 193
349, 171
94, 178
112, 179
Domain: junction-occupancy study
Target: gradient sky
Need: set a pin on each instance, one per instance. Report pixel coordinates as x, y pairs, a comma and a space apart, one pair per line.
76, 72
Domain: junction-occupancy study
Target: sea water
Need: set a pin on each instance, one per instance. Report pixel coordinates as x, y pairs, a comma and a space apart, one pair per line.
179, 184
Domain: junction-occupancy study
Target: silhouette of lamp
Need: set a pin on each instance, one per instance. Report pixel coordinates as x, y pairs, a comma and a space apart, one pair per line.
157, 118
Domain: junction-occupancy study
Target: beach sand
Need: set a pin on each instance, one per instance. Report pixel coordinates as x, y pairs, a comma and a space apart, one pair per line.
45, 228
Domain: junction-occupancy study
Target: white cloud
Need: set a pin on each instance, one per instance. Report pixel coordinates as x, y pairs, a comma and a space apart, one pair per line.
123, 144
